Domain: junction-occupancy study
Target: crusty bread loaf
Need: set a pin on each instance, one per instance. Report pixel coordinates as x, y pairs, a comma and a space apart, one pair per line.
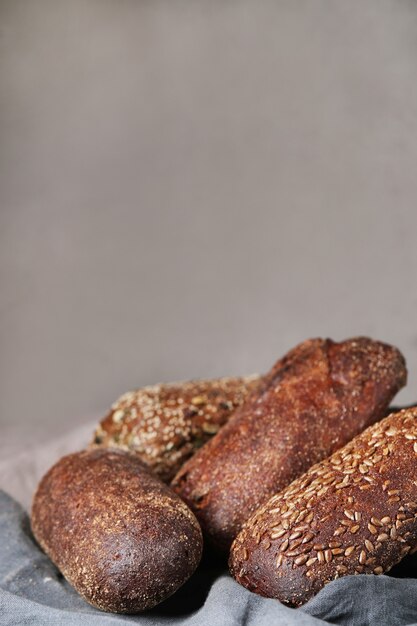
353, 513
166, 423
120, 536
319, 396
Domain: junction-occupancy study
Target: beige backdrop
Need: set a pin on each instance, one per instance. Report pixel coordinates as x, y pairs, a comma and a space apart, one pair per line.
189, 188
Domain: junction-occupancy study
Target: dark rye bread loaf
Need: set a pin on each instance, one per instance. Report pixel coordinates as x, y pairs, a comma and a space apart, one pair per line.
165, 424
319, 396
120, 536
354, 513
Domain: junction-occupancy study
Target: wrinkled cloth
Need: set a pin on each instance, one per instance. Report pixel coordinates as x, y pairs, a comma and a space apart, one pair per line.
32, 591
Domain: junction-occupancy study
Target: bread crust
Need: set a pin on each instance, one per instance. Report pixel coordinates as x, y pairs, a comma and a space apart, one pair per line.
314, 400
120, 536
353, 513
165, 424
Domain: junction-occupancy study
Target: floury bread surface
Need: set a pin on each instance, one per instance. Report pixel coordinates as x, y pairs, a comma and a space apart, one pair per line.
314, 400
120, 536
354, 513
165, 424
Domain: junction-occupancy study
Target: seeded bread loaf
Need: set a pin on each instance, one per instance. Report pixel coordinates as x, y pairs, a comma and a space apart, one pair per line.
165, 424
120, 536
354, 513
314, 400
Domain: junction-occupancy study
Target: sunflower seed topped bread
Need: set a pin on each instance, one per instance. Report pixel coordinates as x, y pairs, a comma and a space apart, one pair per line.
165, 424
120, 536
353, 513
314, 400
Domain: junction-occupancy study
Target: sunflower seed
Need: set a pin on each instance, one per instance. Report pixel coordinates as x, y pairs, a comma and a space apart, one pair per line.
300, 560
295, 535
369, 545
284, 545
375, 521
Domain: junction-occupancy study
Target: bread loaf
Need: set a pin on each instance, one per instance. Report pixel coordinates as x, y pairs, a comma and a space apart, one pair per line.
319, 396
121, 537
165, 424
354, 513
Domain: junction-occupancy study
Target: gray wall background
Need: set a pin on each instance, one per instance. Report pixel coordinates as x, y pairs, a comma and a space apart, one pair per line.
190, 188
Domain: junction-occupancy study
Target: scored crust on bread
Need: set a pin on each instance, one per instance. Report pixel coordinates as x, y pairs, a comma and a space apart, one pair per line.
314, 400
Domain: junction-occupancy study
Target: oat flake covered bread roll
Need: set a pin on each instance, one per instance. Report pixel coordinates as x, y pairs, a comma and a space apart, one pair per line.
353, 513
120, 536
165, 424
314, 400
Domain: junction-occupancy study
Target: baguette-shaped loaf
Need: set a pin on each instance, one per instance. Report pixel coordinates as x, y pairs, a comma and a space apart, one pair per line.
312, 402
120, 536
353, 513
165, 424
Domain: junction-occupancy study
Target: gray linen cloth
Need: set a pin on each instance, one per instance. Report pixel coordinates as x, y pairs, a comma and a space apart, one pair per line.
32, 591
